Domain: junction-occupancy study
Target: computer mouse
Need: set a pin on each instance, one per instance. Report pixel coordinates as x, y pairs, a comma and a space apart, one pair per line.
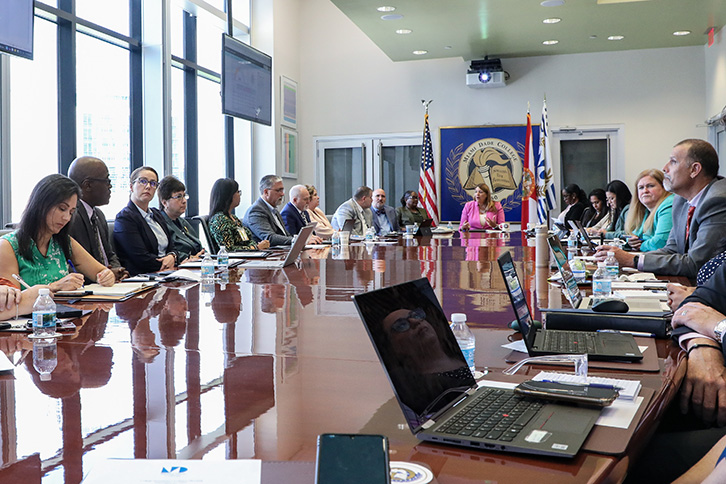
610, 306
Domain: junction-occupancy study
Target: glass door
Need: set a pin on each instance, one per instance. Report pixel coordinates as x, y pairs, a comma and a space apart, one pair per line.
342, 166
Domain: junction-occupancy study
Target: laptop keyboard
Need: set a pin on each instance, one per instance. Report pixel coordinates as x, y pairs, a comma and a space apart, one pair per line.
568, 341
494, 414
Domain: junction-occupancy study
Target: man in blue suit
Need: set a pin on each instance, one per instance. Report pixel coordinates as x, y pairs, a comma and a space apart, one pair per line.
384, 216
295, 213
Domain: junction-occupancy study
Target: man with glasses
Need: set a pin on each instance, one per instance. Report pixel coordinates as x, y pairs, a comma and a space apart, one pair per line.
384, 216
88, 225
263, 219
295, 213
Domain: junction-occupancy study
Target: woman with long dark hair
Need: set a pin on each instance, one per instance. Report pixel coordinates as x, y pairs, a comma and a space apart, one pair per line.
618, 196
598, 213
226, 228
576, 201
41, 251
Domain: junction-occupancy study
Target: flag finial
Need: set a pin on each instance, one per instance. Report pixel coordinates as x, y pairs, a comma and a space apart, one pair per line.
426, 104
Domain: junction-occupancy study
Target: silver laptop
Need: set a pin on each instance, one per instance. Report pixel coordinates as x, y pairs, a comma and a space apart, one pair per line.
577, 301
437, 393
292, 255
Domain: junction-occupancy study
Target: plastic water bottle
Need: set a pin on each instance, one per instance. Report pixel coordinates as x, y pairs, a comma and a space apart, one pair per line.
572, 245
612, 266
335, 238
602, 283
370, 234
464, 337
223, 258
44, 314
45, 357
207, 267
450, 226
578, 268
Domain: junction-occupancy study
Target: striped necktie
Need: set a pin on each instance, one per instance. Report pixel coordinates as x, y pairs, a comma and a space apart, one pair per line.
691, 209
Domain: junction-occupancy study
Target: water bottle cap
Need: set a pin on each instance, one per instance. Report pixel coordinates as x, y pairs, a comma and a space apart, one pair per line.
611, 253
458, 318
44, 291
45, 377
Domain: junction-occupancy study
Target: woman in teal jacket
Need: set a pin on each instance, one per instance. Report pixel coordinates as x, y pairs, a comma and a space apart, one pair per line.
650, 217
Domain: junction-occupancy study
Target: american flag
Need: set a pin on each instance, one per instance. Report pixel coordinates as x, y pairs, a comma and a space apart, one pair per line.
545, 179
426, 180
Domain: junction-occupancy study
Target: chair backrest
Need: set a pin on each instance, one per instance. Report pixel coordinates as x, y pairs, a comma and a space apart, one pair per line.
211, 243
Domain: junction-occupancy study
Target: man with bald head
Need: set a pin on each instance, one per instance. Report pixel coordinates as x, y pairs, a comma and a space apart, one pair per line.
384, 216
88, 225
295, 213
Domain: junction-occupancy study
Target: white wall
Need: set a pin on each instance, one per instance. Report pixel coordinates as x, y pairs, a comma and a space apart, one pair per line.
348, 86
716, 75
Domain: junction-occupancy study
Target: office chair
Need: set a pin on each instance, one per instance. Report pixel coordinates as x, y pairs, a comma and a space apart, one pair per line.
203, 221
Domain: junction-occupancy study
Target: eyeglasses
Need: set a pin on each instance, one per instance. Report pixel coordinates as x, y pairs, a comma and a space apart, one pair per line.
239, 192
180, 196
151, 183
401, 325
106, 180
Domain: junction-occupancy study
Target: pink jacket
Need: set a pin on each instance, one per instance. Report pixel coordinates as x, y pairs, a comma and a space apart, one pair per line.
470, 213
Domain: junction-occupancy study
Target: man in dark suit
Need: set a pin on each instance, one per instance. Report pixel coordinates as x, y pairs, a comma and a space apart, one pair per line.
295, 212
263, 219
699, 214
88, 225
384, 216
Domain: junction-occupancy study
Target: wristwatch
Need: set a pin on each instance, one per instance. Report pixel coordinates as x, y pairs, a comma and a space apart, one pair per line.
720, 330
635, 261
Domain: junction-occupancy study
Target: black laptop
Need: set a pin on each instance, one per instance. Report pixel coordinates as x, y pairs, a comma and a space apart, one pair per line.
438, 394
424, 228
598, 346
578, 227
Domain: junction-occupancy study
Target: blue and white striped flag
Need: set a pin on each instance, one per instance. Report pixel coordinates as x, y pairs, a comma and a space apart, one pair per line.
546, 194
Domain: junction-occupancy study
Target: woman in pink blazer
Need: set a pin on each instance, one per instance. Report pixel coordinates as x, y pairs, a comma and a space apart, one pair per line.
482, 212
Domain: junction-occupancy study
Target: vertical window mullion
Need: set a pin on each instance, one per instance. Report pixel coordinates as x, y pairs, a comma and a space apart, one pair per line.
136, 88
66, 88
191, 130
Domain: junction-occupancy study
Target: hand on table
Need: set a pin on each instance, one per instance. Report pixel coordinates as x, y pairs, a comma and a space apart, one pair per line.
704, 389
167, 262
698, 317
120, 273
106, 278
263, 244
9, 297
677, 293
71, 282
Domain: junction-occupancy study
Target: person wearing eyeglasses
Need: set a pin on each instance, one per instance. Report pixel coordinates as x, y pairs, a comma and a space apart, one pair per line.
88, 225
173, 200
143, 241
226, 228
262, 217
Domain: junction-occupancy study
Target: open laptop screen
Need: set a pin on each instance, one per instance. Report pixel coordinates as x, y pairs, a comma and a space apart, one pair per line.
516, 294
416, 347
572, 292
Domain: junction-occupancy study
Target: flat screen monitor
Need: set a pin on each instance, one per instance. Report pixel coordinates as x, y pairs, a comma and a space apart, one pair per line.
16, 27
246, 82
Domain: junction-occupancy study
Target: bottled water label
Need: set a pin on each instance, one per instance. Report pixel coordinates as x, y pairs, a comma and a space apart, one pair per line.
613, 271
223, 260
44, 319
602, 287
469, 356
207, 271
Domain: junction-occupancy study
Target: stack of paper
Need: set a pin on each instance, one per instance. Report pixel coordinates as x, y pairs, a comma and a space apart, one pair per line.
629, 389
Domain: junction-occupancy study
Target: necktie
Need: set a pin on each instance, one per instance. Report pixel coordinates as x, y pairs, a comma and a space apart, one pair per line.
280, 224
305, 217
98, 242
691, 209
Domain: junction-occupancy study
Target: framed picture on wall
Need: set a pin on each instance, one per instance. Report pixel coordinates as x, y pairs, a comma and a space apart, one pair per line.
288, 94
288, 145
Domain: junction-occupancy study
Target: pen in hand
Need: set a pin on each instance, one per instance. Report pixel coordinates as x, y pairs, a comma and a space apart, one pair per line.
70, 264
22, 282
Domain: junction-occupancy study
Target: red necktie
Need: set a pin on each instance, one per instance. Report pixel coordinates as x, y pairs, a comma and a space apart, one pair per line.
691, 209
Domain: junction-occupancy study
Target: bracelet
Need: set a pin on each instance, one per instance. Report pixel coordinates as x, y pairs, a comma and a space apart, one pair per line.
701, 345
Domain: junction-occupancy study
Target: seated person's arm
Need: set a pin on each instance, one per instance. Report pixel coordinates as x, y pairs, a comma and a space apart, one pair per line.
130, 245
90, 267
11, 296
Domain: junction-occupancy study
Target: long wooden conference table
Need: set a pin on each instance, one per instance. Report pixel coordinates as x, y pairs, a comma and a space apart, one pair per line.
259, 366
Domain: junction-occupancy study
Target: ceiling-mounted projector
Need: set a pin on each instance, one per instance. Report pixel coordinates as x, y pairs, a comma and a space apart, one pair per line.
486, 73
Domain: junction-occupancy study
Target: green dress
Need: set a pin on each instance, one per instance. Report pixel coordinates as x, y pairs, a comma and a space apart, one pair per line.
231, 233
41, 269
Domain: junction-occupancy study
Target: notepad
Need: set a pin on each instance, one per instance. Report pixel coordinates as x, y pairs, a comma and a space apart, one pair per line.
629, 389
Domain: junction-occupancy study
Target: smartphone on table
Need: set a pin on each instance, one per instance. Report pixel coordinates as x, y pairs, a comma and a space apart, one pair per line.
352, 459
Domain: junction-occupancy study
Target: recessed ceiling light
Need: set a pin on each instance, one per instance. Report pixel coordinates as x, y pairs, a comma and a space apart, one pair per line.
420, 52
394, 16
448, 47
553, 20
550, 42
552, 3
680, 33
403, 31
386, 9
593, 36
616, 37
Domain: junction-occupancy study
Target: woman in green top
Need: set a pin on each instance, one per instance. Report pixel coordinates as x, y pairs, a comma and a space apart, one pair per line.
650, 217
41, 251
409, 213
226, 228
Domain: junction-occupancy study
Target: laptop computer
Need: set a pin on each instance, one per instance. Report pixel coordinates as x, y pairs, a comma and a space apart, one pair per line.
292, 255
598, 346
438, 394
348, 225
578, 227
577, 301
424, 228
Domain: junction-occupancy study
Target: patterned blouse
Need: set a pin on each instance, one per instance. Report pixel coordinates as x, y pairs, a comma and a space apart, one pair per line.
41, 269
228, 231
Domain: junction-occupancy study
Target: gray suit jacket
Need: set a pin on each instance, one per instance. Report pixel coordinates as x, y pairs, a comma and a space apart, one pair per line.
390, 215
348, 210
81, 229
706, 239
261, 221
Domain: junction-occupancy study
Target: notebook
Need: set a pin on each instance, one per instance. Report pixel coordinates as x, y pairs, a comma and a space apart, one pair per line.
292, 255
645, 304
438, 394
598, 346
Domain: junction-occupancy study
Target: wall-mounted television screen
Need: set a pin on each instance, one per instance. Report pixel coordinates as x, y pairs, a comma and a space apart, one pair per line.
246, 82
16, 27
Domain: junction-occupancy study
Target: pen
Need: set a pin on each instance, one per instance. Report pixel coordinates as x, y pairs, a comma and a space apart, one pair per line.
73, 268
586, 384
634, 333
22, 282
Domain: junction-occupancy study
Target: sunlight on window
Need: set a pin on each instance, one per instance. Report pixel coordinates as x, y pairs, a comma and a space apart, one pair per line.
211, 139
177, 123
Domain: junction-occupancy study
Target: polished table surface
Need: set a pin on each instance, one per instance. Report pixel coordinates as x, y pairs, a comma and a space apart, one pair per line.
258, 366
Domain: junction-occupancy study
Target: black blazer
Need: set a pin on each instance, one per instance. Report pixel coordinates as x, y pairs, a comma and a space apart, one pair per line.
292, 218
136, 243
82, 231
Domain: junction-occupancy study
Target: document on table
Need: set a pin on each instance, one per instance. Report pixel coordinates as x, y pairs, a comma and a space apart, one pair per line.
149, 471
628, 389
